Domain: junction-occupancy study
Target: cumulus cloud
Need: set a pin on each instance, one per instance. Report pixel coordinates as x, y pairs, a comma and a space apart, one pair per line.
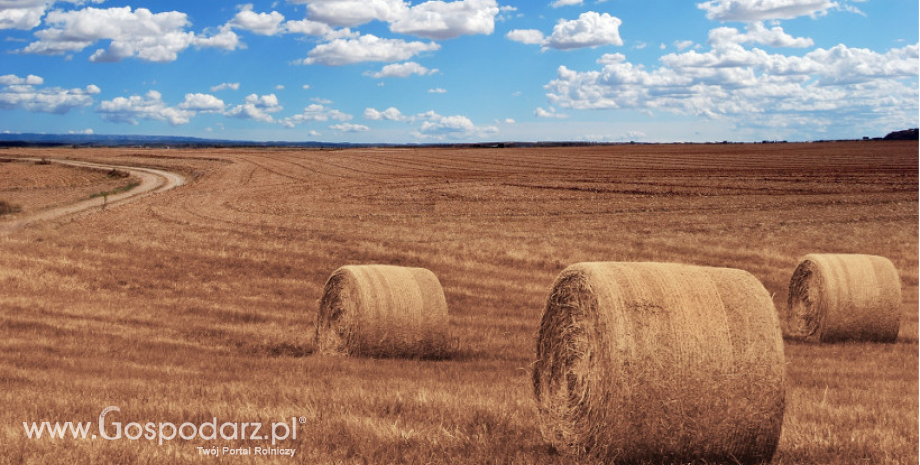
266, 24
366, 48
435, 126
273, 23
148, 107
204, 103
591, 29
258, 108
757, 33
551, 113
26, 93
156, 37
823, 87
225, 86
762, 10
562, 3
27, 14
526, 36
440, 20
390, 114
349, 127
350, 13
402, 70
315, 112
434, 19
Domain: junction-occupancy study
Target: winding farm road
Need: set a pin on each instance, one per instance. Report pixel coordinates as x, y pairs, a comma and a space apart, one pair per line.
151, 181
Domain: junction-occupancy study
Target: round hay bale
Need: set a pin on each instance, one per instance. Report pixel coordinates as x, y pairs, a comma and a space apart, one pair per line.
381, 310
660, 363
839, 297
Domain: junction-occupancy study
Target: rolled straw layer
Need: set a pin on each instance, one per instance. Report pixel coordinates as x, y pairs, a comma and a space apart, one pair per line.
662, 363
841, 297
382, 310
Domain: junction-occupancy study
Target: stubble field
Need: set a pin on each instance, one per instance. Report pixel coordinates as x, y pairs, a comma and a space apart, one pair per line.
199, 303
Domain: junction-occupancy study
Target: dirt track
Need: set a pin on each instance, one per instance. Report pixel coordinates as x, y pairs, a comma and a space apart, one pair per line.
151, 181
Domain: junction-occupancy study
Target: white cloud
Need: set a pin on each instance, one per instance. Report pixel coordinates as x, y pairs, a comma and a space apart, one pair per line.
202, 103
823, 88
562, 3
225, 39
225, 86
271, 24
315, 112
591, 29
150, 107
27, 14
402, 70
24, 93
759, 34
390, 114
551, 113
156, 37
437, 90
441, 20
366, 48
351, 13
309, 28
349, 127
258, 108
683, 44
435, 126
761, 10
526, 36
266, 24
433, 19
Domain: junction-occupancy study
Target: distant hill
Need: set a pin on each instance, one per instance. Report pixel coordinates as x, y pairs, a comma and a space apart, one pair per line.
103, 140
907, 134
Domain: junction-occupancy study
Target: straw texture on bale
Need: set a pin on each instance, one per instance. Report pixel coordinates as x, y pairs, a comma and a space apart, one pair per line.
382, 310
841, 297
660, 363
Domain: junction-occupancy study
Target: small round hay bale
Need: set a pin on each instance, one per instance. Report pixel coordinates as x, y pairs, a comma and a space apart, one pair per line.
844, 297
382, 310
660, 363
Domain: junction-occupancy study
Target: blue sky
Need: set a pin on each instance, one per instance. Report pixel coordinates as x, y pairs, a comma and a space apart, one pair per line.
461, 70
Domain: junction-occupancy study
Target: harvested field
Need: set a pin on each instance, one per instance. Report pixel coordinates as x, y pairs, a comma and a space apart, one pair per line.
37, 186
200, 302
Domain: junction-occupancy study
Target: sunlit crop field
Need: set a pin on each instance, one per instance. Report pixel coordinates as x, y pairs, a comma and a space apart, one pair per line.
199, 303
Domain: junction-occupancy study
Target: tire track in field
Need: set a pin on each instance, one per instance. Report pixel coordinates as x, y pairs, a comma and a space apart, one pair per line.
152, 181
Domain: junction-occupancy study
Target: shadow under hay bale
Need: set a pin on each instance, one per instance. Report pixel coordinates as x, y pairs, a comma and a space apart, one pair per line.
844, 297
660, 363
383, 311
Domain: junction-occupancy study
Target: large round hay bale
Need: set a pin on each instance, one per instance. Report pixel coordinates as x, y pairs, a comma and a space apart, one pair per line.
837, 297
660, 363
381, 310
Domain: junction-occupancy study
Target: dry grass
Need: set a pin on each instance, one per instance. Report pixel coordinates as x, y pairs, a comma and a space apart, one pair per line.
841, 297
660, 363
200, 301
